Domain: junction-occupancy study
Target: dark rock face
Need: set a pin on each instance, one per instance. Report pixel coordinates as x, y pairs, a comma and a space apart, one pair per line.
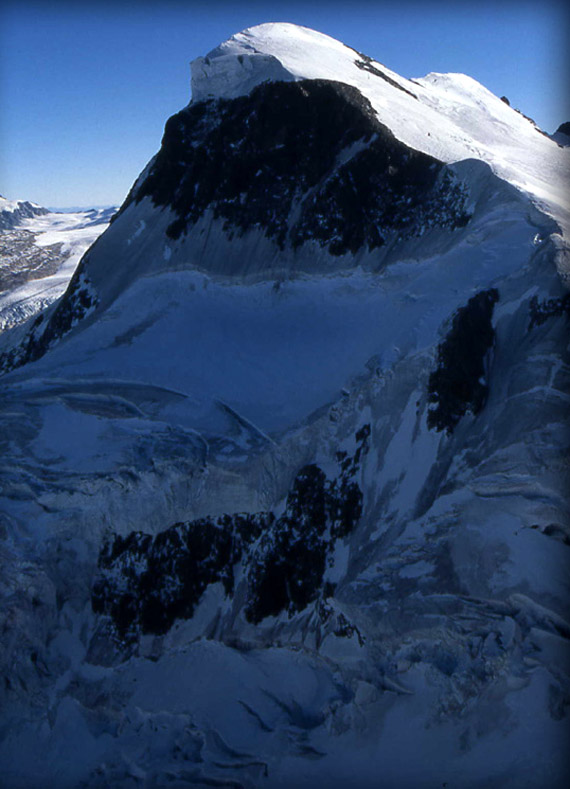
564, 128
145, 583
541, 311
457, 386
288, 566
287, 569
273, 160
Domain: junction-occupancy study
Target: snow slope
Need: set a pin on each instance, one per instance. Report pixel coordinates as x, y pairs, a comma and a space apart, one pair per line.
284, 472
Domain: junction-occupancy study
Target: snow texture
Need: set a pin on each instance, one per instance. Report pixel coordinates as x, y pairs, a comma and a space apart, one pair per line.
295, 514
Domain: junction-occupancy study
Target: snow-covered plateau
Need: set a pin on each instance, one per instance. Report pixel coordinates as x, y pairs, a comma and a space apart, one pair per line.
285, 470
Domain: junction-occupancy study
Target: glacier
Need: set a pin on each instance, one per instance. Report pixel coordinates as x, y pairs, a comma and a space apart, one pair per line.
285, 469
39, 252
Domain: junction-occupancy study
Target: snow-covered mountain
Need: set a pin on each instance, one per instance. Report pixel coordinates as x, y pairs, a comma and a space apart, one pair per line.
39, 251
285, 469
12, 212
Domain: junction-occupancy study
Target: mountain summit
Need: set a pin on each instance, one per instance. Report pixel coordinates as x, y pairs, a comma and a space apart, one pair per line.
285, 468
449, 116
13, 212
299, 155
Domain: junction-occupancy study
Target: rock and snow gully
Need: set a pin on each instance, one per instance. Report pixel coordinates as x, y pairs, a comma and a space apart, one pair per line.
285, 470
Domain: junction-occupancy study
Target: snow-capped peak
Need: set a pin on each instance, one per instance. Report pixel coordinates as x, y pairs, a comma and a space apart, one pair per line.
14, 205
14, 212
449, 116
270, 52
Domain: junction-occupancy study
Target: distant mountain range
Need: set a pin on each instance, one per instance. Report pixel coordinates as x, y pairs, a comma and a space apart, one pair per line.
39, 251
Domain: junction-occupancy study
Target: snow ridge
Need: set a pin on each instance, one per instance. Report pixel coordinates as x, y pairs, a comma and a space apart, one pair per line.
448, 116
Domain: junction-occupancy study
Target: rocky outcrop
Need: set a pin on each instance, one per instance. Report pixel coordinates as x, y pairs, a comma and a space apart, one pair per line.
301, 161
541, 311
458, 385
145, 583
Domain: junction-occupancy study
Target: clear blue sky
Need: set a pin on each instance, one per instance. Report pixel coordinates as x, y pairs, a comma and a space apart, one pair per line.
85, 88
